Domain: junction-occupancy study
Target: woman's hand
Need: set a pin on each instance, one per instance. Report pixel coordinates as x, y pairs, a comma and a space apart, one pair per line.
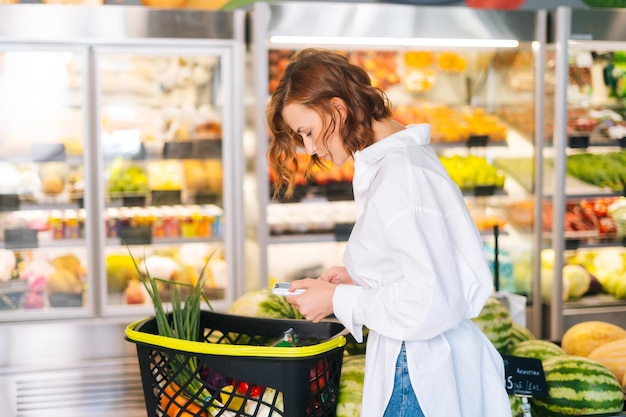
337, 275
316, 302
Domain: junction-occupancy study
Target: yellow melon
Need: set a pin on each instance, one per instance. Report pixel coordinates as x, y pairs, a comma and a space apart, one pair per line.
613, 356
582, 338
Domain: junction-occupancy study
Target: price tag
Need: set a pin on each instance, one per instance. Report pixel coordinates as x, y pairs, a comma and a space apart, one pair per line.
209, 148
141, 235
166, 197
477, 141
524, 377
134, 200
14, 286
9, 202
484, 190
342, 231
20, 238
178, 150
578, 142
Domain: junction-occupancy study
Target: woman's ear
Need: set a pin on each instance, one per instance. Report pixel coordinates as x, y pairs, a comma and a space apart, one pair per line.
340, 106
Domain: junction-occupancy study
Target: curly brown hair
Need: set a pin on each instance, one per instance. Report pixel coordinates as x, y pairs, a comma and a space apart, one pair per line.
313, 77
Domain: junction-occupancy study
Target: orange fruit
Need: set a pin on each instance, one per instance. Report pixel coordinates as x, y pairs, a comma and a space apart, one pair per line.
176, 404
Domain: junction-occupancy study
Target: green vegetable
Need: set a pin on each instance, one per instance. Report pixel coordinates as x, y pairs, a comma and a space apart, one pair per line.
263, 303
182, 323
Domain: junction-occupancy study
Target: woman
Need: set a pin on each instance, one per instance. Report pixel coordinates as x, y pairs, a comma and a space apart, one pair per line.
415, 272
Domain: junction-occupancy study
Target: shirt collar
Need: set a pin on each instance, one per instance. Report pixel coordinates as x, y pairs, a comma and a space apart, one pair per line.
418, 134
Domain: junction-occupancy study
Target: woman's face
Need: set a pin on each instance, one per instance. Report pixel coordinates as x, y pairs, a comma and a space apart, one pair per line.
308, 124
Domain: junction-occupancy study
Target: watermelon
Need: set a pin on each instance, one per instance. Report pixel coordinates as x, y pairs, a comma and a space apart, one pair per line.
496, 323
536, 349
351, 386
520, 333
578, 386
516, 406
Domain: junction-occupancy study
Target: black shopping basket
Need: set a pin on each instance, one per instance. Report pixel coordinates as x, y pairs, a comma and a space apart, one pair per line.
235, 370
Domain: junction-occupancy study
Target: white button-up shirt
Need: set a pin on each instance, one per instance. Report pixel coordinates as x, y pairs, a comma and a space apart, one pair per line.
417, 260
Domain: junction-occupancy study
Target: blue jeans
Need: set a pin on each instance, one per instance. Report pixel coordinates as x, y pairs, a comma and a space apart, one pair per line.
403, 402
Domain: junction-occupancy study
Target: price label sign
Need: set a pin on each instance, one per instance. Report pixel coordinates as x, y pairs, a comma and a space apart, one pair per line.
141, 235
20, 239
524, 377
9, 202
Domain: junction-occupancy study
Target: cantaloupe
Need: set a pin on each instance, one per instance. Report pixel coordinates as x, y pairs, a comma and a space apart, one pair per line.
613, 356
582, 338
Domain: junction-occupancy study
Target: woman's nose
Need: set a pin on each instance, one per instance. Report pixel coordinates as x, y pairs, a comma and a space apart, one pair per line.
309, 147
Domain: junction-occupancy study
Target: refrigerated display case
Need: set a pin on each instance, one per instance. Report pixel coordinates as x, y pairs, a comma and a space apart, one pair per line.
120, 135
474, 83
588, 165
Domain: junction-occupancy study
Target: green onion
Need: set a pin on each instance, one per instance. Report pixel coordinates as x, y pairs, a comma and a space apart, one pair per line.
184, 325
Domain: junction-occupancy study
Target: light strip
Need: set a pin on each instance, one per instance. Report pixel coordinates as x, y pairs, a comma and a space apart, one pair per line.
399, 42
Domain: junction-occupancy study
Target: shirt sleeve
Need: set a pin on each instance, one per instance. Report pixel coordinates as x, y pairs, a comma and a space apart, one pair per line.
344, 298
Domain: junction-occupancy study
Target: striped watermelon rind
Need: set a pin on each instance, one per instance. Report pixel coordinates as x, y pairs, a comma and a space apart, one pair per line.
351, 386
496, 323
536, 349
578, 386
519, 334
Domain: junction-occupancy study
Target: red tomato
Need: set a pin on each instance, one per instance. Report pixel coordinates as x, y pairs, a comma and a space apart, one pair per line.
243, 387
318, 375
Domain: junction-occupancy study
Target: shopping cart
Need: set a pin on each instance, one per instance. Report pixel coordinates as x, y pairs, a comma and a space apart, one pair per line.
236, 371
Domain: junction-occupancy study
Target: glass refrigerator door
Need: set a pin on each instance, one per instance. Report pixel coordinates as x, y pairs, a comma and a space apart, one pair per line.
479, 97
43, 235
162, 117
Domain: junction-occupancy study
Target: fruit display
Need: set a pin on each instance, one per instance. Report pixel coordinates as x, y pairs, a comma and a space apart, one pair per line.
608, 220
519, 334
127, 177
606, 268
278, 60
580, 221
351, 386
617, 212
496, 323
582, 374
54, 279
578, 386
537, 349
381, 66
583, 338
612, 355
183, 265
451, 124
469, 172
603, 170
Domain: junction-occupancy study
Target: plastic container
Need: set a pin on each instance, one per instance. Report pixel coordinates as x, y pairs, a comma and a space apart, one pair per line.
236, 371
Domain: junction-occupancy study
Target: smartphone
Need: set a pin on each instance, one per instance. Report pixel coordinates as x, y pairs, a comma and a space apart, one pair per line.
282, 288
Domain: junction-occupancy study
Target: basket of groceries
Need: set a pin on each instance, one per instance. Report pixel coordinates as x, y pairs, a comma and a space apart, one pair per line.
202, 363
241, 366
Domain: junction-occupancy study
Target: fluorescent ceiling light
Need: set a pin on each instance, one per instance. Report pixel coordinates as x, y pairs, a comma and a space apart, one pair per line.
399, 42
